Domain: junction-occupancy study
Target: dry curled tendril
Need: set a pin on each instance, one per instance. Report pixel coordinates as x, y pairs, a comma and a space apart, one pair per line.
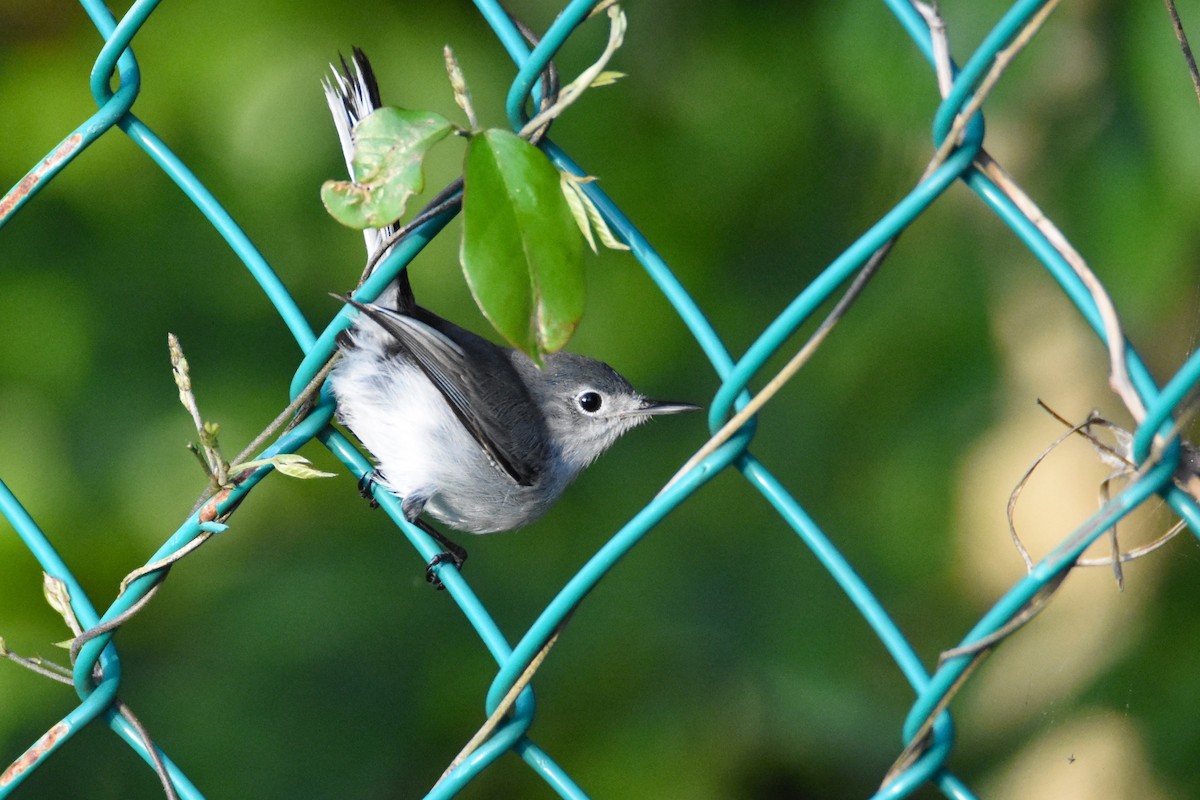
1112, 444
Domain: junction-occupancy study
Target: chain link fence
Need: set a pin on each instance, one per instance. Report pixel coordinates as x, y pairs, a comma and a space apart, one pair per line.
937, 659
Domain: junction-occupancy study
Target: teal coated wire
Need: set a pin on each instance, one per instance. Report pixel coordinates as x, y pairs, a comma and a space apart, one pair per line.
1011, 24
509, 736
51, 562
185, 534
597, 567
532, 63
914, 25
76, 720
500, 743
95, 701
47, 556
1046, 570
1159, 410
836, 565
918, 773
320, 350
952, 787
110, 111
551, 772
799, 310
469, 603
1158, 422
117, 57
868, 606
220, 219
1182, 503
999, 37
115, 50
656, 267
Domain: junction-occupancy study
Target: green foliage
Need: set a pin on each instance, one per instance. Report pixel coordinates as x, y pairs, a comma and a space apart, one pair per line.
521, 251
389, 147
751, 146
290, 464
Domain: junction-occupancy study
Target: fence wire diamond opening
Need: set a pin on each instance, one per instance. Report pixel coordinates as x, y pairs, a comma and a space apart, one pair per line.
1152, 462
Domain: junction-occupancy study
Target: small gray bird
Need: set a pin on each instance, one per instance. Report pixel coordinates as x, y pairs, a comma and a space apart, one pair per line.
471, 433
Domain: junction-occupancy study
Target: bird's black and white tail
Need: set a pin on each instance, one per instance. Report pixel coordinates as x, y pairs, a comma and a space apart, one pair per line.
352, 94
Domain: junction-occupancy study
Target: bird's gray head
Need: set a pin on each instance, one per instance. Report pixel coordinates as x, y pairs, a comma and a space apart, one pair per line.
588, 405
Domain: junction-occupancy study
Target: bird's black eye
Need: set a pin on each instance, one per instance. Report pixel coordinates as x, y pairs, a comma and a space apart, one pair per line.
590, 402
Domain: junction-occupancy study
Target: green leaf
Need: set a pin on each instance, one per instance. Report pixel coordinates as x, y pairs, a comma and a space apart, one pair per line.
290, 464
586, 215
521, 251
606, 78
59, 598
389, 147
576, 201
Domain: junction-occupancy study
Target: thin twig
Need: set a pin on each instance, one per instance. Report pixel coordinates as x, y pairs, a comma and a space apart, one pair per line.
1031, 609
572, 91
1000, 64
1118, 372
104, 627
1124, 466
493, 721
977, 651
868, 271
458, 82
187, 397
41, 666
738, 420
165, 563
921, 739
160, 768
1085, 430
941, 45
1184, 47
1136, 552
289, 413
1015, 495
549, 76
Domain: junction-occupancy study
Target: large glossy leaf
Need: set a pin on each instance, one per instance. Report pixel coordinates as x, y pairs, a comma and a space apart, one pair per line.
389, 147
521, 251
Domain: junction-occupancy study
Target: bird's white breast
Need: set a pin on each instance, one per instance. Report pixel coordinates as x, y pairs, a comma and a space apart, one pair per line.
421, 448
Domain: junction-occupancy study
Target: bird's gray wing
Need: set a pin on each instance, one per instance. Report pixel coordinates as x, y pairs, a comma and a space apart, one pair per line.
444, 363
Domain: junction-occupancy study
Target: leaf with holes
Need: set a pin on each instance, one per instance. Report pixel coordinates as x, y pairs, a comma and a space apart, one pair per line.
389, 147
521, 251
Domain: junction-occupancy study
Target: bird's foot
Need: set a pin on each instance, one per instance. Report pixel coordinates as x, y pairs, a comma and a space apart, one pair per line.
454, 553
366, 486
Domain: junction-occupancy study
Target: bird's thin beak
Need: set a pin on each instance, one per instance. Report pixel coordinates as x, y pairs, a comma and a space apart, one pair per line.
655, 407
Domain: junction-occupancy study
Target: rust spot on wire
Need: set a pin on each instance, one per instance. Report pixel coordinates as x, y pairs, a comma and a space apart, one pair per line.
31, 756
27, 184
209, 512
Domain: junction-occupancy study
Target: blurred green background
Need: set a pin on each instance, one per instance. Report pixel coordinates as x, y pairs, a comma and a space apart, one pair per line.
302, 654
